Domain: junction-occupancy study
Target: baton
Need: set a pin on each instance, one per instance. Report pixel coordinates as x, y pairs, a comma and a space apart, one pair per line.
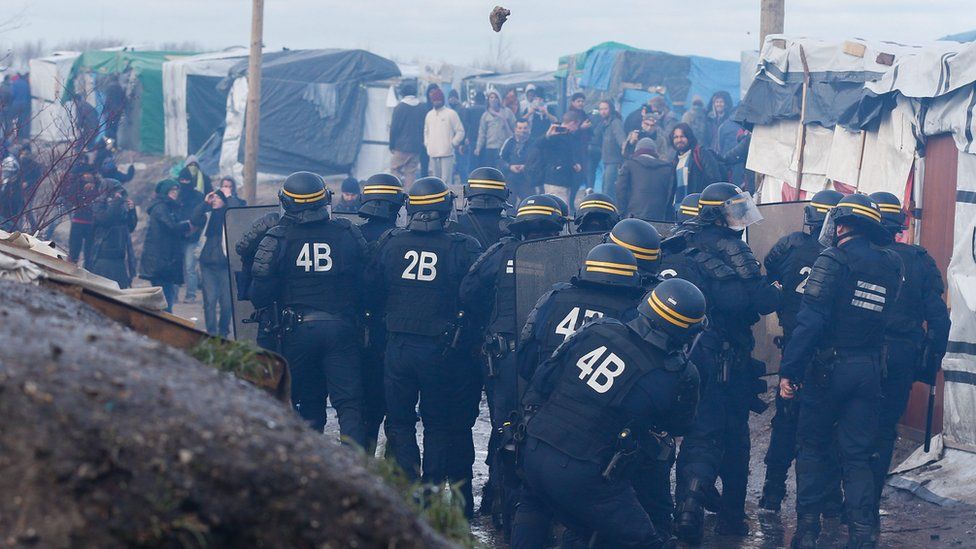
928, 418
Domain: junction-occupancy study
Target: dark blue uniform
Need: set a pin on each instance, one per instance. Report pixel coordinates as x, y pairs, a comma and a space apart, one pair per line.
414, 279
246, 248
601, 381
920, 300
313, 268
485, 226
789, 263
835, 352
723, 267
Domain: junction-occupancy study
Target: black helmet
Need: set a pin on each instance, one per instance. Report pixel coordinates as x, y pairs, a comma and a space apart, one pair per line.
304, 191
689, 207
728, 205
642, 239
537, 214
611, 265
429, 204
563, 206
596, 213
892, 215
858, 211
485, 189
382, 196
821, 203
671, 315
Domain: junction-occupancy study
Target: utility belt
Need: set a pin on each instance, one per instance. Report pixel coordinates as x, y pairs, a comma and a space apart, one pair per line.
825, 361
291, 318
496, 347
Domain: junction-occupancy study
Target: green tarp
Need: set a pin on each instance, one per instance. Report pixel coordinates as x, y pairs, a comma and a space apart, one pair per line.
148, 68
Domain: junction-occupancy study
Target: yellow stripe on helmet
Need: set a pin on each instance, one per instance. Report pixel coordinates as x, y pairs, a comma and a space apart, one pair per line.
648, 254
689, 210
305, 198
382, 189
710, 202
545, 210
864, 211
669, 314
609, 271
427, 198
486, 183
611, 265
889, 208
598, 204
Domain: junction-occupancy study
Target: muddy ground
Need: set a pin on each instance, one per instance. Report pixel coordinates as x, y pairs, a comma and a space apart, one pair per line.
110, 439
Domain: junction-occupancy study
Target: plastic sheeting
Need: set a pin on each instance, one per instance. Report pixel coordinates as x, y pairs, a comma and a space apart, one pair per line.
193, 105
299, 128
50, 117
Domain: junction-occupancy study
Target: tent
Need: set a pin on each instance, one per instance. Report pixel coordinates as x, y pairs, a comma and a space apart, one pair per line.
142, 73
50, 117
195, 105
502, 83
900, 118
630, 76
314, 105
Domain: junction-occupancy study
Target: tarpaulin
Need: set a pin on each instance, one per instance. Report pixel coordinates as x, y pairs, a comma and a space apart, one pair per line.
50, 117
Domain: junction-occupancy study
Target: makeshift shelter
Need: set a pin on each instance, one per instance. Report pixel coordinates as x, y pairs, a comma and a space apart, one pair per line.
195, 105
502, 83
314, 108
142, 75
50, 117
872, 116
630, 76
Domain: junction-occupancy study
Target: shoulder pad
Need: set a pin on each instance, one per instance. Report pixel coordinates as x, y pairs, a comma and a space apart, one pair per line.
264, 258
740, 257
835, 254
675, 243
277, 232
341, 222
825, 271
796, 239
530, 322
602, 321
387, 235
560, 286
483, 258
710, 264
252, 237
931, 271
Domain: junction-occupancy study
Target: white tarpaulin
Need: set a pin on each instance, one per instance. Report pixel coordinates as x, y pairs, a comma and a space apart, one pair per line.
374, 154
50, 118
174, 91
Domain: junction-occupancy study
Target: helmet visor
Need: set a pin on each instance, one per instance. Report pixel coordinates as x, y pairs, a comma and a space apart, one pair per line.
828, 232
741, 211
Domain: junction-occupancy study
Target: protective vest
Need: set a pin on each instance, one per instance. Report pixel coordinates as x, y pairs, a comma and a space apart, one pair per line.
583, 414
570, 305
322, 266
374, 228
907, 312
792, 260
485, 226
422, 274
503, 314
866, 285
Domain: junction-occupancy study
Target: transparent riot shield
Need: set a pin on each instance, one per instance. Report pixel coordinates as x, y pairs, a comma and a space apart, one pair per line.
541, 263
236, 223
779, 220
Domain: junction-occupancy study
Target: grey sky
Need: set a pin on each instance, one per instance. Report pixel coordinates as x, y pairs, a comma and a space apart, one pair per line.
458, 31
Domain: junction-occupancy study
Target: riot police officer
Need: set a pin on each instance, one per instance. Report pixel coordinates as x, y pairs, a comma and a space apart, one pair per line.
563, 208
789, 263
643, 240
485, 196
709, 251
835, 355
414, 279
488, 295
914, 349
311, 269
596, 214
246, 247
380, 205
688, 209
608, 285
593, 406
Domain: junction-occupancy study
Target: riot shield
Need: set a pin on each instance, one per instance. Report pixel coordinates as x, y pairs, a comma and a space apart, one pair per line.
541, 263
236, 222
779, 220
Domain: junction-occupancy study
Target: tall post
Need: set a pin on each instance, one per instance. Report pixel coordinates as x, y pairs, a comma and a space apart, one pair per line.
252, 116
771, 19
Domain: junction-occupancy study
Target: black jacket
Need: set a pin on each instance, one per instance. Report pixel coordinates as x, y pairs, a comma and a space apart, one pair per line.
645, 188
407, 128
213, 253
554, 164
704, 168
188, 203
112, 254
162, 253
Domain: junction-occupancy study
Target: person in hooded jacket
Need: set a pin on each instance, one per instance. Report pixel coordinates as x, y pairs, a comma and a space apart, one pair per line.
189, 200
162, 254
115, 217
213, 258
645, 186
191, 174
719, 112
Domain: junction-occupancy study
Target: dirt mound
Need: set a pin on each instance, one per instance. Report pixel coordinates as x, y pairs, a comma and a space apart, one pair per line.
110, 439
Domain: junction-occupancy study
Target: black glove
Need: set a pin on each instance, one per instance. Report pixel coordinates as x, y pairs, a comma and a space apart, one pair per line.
929, 368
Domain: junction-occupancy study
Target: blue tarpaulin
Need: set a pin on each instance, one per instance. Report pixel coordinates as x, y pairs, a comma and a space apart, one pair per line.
709, 75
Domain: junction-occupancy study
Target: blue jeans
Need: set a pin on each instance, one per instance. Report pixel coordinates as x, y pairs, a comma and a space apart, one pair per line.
190, 276
216, 293
170, 292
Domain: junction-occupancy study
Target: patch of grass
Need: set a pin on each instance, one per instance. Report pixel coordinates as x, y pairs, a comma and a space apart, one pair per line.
237, 357
442, 506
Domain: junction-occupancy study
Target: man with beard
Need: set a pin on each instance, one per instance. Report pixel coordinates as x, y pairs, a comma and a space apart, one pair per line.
695, 167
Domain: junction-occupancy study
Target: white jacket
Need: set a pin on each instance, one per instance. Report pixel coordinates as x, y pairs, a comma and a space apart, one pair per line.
442, 132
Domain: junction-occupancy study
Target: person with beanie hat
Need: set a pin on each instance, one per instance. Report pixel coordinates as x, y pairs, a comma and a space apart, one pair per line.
645, 185
407, 134
162, 254
349, 200
443, 131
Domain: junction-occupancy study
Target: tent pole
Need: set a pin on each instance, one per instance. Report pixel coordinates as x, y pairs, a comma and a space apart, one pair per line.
860, 161
252, 116
803, 117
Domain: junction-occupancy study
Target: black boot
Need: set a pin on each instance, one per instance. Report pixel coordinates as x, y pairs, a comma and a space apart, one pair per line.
807, 531
689, 516
861, 536
774, 491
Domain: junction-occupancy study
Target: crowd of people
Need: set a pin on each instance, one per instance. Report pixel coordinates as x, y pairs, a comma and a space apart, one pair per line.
649, 344
598, 151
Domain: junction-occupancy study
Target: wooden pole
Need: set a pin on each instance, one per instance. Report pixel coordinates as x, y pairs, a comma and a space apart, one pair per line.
771, 19
803, 119
252, 116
